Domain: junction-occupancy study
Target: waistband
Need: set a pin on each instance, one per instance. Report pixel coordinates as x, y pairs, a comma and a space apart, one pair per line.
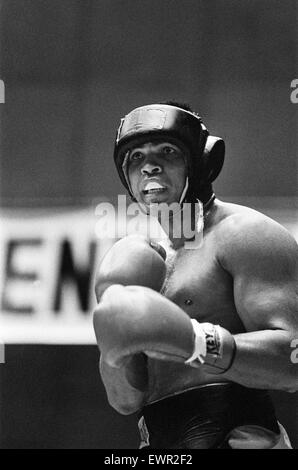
211, 411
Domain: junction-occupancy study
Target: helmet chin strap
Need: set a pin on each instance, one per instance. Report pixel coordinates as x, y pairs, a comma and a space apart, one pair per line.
182, 197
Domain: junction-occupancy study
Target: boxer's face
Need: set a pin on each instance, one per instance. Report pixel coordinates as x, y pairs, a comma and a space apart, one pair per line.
157, 172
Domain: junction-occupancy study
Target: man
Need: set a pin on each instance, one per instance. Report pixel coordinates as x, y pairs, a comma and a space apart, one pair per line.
193, 343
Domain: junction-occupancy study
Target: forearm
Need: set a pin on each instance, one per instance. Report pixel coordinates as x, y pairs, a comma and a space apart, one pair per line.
126, 386
263, 360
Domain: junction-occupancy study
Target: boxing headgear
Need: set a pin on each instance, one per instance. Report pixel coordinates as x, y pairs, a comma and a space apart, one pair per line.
173, 124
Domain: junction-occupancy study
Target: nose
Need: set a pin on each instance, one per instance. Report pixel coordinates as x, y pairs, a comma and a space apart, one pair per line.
151, 167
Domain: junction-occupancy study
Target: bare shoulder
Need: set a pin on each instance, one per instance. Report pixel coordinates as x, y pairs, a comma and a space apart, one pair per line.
245, 235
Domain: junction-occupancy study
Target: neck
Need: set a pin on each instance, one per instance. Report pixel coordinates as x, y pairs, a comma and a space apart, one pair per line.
188, 223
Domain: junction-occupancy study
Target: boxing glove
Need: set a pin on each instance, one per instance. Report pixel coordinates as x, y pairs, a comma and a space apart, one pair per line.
133, 319
133, 260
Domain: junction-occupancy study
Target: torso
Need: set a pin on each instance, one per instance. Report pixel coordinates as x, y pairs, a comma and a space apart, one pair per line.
198, 283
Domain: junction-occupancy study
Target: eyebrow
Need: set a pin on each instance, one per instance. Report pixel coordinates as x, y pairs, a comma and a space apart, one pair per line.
141, 147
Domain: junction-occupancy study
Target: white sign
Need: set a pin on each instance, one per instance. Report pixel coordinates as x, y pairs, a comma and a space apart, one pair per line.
47, 267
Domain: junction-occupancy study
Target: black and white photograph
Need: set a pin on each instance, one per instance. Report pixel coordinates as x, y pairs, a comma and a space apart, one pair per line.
149, 227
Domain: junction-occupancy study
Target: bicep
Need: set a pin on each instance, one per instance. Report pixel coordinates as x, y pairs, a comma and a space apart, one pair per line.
264, 305
264, 268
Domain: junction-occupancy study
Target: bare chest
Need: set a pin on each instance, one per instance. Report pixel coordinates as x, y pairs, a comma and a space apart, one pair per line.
204, 290
198, 284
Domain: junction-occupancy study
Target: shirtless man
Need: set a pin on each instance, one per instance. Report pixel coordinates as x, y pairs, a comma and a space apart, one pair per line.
194, 343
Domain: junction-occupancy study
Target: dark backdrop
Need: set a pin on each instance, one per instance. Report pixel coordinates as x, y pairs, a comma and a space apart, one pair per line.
72, 68
52, 397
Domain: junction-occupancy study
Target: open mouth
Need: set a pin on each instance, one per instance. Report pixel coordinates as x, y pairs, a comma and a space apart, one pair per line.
153, 187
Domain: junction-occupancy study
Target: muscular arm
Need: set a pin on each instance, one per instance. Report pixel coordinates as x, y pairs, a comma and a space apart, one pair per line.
130, 261
262, 259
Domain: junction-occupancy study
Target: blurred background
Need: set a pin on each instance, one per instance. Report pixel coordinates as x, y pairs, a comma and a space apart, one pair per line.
71, 70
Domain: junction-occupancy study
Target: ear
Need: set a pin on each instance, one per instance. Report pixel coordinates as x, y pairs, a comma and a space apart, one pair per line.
212, 158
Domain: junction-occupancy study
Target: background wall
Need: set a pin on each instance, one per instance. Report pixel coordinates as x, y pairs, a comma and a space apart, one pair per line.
72, 69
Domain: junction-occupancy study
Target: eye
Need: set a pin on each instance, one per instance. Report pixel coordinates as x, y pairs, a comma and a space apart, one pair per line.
136, 156
168, 150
